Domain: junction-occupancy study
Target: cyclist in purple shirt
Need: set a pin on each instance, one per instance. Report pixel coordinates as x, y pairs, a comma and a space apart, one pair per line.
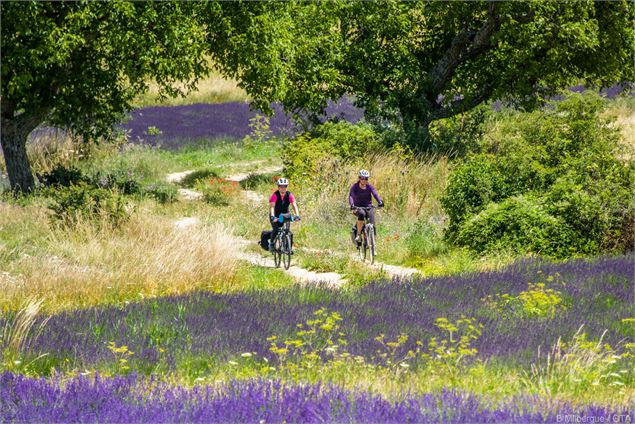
360, 197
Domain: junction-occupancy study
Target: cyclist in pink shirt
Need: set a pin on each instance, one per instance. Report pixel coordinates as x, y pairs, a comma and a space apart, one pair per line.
279, 203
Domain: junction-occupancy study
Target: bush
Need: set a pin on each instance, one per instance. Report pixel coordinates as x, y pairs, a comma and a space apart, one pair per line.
306, 154
518, 224
192, 179
460, 134
568, 157
471, 187
83, 202
62, 176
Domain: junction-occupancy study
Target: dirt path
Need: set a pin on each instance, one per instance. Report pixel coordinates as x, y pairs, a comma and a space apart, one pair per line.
393, 271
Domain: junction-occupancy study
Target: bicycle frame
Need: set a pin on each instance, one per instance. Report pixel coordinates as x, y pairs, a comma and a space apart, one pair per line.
282, 244
368, 237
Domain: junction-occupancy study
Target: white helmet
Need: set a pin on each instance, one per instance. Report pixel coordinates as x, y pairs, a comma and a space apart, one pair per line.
283, 182
364, 173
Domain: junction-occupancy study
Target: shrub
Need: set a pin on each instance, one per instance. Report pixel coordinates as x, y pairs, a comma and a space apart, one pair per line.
472, 186
460, 134
81, 201
568, 157
190, 180
62, 176
306, 154
518, 224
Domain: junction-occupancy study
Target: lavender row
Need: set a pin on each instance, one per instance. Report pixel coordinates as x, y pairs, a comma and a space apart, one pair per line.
132, 399
600, 294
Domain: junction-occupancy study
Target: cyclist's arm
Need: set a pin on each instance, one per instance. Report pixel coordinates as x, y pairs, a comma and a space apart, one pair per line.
295, 208
375, 194
272, 208
351, 202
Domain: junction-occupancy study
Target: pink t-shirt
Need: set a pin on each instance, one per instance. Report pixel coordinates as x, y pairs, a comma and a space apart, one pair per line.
273, 198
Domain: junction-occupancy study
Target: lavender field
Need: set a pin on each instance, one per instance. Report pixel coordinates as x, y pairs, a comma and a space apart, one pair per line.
596, 294
175, 126
135, 399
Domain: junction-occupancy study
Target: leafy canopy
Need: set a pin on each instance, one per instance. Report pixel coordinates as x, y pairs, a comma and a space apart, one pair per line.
419, 61
80, 64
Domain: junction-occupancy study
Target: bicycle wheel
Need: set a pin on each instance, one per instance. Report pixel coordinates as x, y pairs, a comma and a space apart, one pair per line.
277, 254
370, 236
286, 250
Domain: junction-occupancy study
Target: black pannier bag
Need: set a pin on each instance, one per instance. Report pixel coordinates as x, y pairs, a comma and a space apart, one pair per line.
264, 239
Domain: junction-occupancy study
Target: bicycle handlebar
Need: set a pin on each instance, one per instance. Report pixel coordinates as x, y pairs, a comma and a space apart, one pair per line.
288, 218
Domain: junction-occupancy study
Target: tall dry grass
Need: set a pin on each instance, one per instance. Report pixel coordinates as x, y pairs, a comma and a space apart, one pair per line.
212, 89
87, 265
410, 187
622, 112
18, 329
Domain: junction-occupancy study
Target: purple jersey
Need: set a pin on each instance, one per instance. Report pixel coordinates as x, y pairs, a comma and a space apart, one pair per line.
360, 197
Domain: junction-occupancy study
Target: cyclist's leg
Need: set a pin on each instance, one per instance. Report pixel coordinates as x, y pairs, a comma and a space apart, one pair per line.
275, 227
371, 215
361, 214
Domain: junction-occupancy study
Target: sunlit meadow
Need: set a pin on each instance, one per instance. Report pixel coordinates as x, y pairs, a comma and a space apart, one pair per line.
146, 321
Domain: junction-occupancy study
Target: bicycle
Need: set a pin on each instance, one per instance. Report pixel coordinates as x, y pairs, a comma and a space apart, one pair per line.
283, 243
366, 247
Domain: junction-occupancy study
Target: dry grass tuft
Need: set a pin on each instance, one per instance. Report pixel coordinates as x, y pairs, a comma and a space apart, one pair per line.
17, 331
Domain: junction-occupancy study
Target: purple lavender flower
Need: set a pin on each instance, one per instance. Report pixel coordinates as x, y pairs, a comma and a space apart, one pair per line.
135, 399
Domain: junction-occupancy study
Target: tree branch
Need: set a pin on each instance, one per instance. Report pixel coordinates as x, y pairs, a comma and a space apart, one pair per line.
465, 45
461, 105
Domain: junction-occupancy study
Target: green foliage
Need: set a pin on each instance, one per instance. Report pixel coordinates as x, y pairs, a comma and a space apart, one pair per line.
425, 240
576, 191
308, 153
460, 134
537, 302
62, 176
474, 184
123, 180
49, 47
161, 192
260, 131
83, 202
194, 178
254, 180
517, 224
411, 63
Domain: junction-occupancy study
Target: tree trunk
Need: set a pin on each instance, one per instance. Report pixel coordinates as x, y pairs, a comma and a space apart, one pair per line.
13, 139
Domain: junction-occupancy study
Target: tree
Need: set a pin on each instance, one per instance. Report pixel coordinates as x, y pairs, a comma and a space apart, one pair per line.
416, 62
78, 65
